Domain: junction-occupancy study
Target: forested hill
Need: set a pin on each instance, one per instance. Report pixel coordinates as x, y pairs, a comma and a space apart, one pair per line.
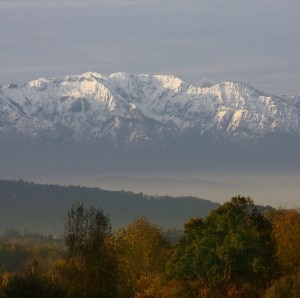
42, 207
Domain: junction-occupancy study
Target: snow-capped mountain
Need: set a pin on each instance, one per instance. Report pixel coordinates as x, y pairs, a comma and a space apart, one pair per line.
132, 110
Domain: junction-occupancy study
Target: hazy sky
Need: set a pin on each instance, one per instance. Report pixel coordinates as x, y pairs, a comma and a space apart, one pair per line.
254, 41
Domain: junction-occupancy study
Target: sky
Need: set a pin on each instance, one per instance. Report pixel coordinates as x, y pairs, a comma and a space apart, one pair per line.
253, 41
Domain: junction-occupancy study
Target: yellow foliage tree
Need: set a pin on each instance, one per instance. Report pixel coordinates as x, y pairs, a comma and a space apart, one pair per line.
142, 251
286, 233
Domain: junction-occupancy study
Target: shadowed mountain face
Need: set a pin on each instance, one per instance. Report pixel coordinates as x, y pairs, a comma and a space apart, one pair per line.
124, 123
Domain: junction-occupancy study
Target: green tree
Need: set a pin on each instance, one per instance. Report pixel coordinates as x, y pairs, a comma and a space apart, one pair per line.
231, 249
91, 268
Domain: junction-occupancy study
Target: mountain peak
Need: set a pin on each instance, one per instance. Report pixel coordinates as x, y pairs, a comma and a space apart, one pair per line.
169, 81
121, 75
39, 84
91, 74
236, 85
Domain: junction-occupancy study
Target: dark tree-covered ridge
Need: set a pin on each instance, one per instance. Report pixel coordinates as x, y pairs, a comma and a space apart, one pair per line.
42, 207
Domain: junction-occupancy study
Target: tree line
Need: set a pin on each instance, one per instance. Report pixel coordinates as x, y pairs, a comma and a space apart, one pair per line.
235, 251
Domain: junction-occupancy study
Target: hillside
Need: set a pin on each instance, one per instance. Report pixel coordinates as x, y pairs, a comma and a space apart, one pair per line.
42, 208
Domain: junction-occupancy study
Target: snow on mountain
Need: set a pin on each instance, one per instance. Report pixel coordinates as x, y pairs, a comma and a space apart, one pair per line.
124, 108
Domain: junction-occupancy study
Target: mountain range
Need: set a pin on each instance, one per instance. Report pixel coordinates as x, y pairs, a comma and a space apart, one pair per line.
140, 118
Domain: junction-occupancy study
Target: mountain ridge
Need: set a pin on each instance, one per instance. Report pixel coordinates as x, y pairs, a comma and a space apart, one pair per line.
122, 122
92, 106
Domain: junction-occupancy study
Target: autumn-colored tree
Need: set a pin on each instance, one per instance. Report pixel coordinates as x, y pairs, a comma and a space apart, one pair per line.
228, 251
142, 254
287, 286
286, 234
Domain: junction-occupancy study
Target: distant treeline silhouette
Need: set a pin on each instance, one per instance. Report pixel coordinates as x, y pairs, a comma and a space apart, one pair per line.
41, 207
